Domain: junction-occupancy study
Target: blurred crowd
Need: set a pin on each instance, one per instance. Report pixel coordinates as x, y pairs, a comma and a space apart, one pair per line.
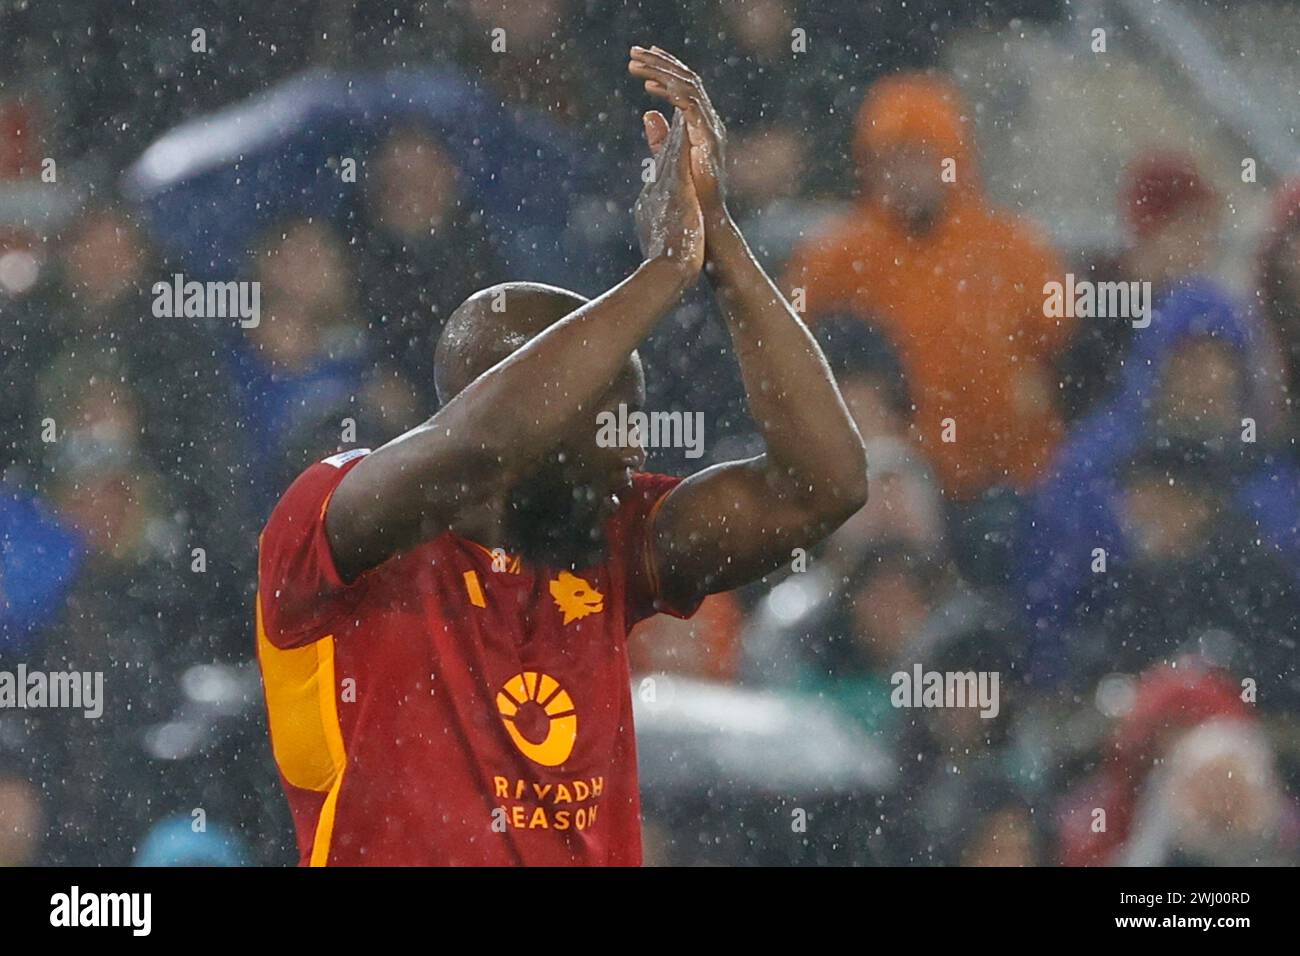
1106, 515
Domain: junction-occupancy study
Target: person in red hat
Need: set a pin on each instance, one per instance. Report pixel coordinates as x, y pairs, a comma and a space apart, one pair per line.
1174, 217
1108, 819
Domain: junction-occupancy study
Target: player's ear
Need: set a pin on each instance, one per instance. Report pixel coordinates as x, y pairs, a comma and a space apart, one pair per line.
656, 131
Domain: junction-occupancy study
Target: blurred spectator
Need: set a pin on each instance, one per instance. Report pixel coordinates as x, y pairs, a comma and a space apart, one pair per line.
529, 54
770, 95
91, 342
422, 250
100, 480
906, 503
1090, 366
1173, 215
1174, 220
1098, 818
302, 365
136, 610
869, 374
894, 608
1188, 383
105, 263
1191, 573
389, 404
884, 606
94, 292
1215, 800
950, 754
956, 284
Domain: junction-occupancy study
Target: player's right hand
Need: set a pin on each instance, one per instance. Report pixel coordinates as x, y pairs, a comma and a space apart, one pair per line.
671, 80
669, 223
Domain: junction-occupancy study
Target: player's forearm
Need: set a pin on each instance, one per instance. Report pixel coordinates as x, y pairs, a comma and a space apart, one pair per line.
526, 404
495, 431
811, 438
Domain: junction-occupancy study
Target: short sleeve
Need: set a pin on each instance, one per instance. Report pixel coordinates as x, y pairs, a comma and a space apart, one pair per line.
642, 596
300, 591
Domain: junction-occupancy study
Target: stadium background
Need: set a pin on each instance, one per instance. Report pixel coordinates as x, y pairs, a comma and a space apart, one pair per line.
765, 728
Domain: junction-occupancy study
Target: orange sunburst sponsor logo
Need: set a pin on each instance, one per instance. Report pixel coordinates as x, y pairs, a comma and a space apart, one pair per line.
539, 716
575, 597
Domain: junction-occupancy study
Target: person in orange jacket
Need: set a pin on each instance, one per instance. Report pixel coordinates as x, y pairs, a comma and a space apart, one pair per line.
956, 284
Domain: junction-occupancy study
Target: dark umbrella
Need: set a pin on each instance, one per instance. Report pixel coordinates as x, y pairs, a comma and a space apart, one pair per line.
206, 189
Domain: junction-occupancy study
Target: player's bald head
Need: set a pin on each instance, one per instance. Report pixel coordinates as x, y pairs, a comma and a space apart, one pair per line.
491, 324
557, 511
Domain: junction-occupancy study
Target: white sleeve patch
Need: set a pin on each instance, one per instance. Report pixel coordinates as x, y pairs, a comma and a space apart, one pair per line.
343, 457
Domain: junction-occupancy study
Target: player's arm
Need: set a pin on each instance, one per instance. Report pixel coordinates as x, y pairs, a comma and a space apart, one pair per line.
490, 435
731, 523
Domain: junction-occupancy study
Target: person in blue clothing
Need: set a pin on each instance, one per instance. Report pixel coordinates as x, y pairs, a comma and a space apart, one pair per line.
299, 368
1187, 414
421, 247
39, 557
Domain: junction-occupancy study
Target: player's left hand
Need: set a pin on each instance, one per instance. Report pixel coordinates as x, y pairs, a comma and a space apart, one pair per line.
670, 79
669, 221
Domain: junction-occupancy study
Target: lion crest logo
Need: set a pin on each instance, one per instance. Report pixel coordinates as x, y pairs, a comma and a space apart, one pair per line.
575, 598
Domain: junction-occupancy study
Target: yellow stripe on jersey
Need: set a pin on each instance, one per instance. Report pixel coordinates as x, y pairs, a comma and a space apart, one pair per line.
306, 737
474, 589
320, 846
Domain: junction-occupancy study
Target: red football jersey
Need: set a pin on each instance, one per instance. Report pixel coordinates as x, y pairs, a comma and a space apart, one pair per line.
453, 705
